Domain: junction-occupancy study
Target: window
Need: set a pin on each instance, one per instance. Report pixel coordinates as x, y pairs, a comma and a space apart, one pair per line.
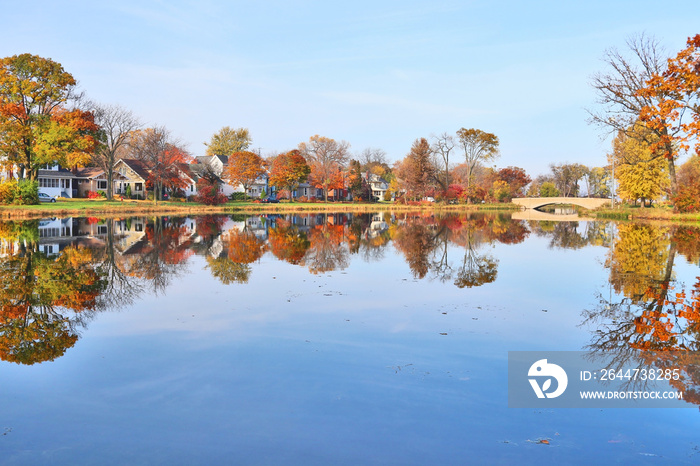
138, 186
102, 184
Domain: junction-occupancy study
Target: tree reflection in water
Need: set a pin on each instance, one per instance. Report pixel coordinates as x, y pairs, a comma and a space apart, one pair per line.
56, 279
652, 320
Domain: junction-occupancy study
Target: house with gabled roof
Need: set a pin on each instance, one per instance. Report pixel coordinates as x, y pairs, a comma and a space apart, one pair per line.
190, 175
135, 173
56, 181
95, 179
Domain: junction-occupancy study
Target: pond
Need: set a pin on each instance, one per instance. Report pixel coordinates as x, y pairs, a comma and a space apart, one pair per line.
334, 339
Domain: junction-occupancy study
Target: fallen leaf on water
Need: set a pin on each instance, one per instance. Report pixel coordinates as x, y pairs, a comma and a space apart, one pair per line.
540, 441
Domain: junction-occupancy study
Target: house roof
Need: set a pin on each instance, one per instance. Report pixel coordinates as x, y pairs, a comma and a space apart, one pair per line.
88, 172
199, 170
138, 166
188, 170
60, 173
206, 159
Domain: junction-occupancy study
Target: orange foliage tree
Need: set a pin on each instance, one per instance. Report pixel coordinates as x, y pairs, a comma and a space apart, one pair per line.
326, 157
678, 86
244, 168
288, 170
36, 127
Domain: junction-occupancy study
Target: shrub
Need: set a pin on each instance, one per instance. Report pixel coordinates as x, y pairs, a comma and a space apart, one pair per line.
93, 195
548, 189
686, 200
8, 189
28, 192
208, 193
238, 196
24, 192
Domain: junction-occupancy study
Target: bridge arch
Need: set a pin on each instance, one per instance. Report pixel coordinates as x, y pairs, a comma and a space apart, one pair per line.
585, 202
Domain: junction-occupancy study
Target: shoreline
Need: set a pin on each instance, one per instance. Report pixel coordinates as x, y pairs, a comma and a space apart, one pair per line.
117, 209
105, 209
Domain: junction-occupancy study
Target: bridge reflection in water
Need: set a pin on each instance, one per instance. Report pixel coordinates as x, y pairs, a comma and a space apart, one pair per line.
537, 202
533, 214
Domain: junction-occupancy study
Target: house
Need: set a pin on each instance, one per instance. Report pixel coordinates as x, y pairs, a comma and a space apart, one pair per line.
256, 189
190, 176
135, 173
378, 185
306, 190
215, 165
56, 181
95, 179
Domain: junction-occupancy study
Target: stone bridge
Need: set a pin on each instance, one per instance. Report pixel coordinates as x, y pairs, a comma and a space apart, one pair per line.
585, 202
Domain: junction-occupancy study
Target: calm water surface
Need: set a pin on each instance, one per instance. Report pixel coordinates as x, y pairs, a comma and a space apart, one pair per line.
332, 339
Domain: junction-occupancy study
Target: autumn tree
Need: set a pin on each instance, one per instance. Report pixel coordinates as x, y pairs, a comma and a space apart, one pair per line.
288, 170
244, 168
548, 189
162, 155
477, 146
116, 124
688, 197
566, 177
327, 157
516, 179
640, 174
622, 97
357, 184
374, 160
229, 141
443, 145
36, 125
597, 182
416, 170
670, 94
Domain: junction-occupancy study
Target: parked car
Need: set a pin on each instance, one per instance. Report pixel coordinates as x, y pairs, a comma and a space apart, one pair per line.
43, 197
271, 200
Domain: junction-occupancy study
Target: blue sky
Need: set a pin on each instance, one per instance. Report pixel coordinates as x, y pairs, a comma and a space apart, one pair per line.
374, 73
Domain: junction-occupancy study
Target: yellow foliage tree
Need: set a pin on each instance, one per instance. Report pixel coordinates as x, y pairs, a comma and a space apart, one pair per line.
640, 172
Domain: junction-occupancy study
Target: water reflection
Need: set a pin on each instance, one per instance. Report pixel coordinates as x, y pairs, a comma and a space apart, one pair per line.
647, 310
57, 273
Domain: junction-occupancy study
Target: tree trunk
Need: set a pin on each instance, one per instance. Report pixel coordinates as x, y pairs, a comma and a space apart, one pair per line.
672, 177
110, 183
